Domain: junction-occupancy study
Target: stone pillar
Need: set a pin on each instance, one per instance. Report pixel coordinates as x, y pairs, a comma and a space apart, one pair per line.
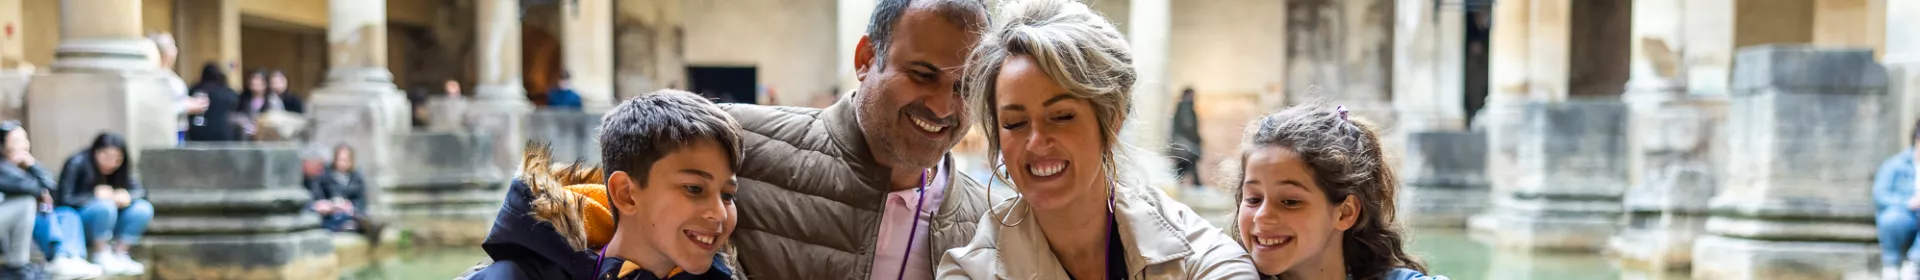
1902, 59
209, 33
1570, 171
587, 38
1150, 28
851, 24
15, 71
500, 107
1670, 148
1443, 167
1790, 196
1500, 118
446, 187
196, 233
1353, 70
358, 104
104, 78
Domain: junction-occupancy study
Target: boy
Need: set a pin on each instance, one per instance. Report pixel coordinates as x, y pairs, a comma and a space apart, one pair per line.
668, 196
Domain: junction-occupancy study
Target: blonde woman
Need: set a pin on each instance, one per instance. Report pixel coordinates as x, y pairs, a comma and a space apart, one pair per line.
1051, 83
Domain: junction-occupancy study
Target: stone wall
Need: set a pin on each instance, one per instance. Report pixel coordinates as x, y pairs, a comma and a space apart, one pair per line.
572, 134
791, 43
1569, 172
1443, 178
232, 212
445, 187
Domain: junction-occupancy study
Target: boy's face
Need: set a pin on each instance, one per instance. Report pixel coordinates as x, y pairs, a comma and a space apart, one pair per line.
684, 211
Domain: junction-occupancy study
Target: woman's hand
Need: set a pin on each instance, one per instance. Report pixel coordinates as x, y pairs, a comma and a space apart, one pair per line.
343, 206
323, 207
45, 197
103, 191
122, 198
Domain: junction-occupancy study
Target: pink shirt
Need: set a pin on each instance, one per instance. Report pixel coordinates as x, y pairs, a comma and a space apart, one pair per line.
897, 221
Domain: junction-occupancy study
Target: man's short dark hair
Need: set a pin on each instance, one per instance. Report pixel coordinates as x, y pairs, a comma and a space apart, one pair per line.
638, 132
968, 14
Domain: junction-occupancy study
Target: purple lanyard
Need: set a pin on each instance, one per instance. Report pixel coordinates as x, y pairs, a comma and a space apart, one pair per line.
904, 256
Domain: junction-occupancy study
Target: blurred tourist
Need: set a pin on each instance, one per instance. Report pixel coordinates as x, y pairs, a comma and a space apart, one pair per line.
447, 112
99, 185
277, 88
25, 185
1893, 199
185, 104
562, 96
1185, 148
215, 123
340, 196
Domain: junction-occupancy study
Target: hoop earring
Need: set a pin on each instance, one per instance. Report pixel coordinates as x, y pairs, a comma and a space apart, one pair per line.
1017, 199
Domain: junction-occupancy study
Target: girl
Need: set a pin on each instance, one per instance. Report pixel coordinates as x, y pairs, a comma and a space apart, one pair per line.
1052, 85
100, 188
1316, 199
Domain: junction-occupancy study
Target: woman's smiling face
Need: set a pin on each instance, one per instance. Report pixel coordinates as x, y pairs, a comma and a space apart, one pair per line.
1049, 139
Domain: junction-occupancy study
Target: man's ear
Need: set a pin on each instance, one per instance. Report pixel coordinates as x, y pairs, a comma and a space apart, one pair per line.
620, 192
862, 58
1349, 213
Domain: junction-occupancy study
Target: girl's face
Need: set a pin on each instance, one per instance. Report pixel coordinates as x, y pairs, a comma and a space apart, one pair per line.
1285, 218
257, 83
1049, 139
342, 160
17, 142
278, 83
107, 159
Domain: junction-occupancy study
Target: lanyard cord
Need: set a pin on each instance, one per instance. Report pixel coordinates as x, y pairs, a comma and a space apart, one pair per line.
908, 254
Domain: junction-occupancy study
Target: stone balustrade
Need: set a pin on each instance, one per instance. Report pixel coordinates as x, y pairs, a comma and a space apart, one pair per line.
446, 188
1443, 178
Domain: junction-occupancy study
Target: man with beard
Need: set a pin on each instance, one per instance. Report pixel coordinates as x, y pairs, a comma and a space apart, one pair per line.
864, 189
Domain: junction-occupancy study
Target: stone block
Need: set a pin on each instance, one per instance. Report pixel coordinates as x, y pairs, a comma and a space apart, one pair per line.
232, 211
133, 104
13, 94
572, 134
505, 122
1443, 177
1805, 67
1793, 204
306, 254
366, 115
1737, 258
447, 178
1576, 149
1657, 241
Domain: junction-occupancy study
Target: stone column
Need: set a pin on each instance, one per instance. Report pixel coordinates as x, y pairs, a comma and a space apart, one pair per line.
196, 233
446, 187
587, 42
358, 104
1443, 167
209, 33
851, 24
1149, 27
1500, 118
1790, 196
1902, 59
500, 107
1340, 51
1670, 147
15, 71
104, 78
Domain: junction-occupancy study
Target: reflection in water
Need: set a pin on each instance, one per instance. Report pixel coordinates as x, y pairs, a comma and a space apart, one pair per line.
439, 263
1447, 252
1452, 253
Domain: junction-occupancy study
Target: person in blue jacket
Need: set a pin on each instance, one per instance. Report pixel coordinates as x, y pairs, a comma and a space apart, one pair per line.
562, 96
1893, 200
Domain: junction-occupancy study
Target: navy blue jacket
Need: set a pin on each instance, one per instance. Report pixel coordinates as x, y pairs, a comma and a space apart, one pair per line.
523, 248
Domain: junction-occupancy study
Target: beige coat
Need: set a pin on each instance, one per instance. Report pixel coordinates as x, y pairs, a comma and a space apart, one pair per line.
1163, 238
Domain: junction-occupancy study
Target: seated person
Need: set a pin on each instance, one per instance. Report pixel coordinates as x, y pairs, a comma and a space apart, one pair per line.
672, 150
339, 192
1894, 200
98, 186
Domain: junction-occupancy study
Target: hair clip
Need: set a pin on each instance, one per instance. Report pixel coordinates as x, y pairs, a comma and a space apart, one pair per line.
1343, 111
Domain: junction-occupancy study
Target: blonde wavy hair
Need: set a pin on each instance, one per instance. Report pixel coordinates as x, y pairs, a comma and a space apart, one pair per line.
1080, 51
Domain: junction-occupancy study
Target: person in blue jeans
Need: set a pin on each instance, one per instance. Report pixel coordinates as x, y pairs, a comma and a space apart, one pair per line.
1894, 201
100, 188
